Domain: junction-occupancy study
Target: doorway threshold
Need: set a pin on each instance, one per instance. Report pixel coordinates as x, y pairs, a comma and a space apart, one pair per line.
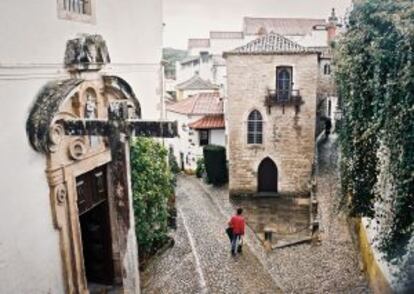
266, 194
103, 289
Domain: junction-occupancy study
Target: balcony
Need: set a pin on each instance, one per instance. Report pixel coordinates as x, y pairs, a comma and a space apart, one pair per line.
283, 98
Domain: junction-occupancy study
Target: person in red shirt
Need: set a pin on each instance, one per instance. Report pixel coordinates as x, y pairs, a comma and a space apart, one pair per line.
237, 225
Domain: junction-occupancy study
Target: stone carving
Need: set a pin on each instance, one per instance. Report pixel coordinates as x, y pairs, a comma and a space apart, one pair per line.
88, 52
77, 149
91, 113
56, 134
61, 193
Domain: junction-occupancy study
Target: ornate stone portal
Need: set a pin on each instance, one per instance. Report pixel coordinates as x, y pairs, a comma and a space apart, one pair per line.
82, 125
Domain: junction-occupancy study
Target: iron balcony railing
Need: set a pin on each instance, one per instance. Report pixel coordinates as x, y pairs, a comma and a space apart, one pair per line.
283, 97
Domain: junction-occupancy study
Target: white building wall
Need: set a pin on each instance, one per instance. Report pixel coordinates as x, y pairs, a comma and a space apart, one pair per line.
218, 46
186, 71
31, 54
188, 140
29, 252
197, 50
217, 137
318, 38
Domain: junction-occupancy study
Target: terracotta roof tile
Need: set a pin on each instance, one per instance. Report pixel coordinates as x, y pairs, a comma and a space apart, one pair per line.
196, 83
200, 104
282, 26
268, 44
209, 122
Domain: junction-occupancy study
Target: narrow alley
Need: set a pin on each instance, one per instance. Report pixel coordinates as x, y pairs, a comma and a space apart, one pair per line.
200, 261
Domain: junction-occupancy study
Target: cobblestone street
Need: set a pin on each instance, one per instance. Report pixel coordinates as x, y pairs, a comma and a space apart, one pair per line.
200, 262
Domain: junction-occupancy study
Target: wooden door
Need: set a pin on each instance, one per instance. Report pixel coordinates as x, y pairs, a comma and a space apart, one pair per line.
95, 226
267, 176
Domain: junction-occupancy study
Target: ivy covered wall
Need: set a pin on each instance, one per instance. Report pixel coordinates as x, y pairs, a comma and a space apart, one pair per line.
375, 79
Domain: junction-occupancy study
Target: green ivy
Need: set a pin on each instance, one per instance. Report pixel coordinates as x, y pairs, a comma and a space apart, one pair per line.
152, 187
375, 79
200, 169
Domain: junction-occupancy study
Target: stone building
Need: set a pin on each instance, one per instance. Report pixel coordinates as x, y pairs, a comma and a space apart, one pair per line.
63, 60
205, 54
271, 115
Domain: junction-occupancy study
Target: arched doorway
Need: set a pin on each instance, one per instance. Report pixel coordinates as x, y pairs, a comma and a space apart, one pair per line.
267, 176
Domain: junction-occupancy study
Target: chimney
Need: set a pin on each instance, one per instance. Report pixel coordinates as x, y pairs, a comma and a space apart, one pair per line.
332, 25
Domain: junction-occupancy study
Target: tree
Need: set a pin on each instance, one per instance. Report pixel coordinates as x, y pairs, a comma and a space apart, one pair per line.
152, 187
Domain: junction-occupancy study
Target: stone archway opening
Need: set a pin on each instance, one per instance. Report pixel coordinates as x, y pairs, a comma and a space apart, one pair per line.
267, 179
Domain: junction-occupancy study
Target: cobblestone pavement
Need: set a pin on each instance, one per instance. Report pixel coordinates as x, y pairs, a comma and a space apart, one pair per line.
200, 261
332, 266
329, 267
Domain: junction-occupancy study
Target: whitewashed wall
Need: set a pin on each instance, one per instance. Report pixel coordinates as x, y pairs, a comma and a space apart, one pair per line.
217, 137
31, 54
188, 140
218, 46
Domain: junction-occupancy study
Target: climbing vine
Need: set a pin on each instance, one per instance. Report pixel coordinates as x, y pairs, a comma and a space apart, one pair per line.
375, 79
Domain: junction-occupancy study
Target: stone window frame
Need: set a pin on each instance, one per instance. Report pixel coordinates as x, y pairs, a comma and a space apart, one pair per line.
73, 16
255, 133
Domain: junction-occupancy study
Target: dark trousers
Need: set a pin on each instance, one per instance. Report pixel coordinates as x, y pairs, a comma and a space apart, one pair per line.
234, 242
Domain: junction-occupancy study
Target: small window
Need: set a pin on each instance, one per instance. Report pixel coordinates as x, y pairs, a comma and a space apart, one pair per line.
327, 69
283, 82
204, 136
255, 128
77, 6
77, 10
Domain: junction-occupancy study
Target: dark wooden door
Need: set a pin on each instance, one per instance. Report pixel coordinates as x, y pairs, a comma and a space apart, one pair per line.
267, 176
182, 160
95, 226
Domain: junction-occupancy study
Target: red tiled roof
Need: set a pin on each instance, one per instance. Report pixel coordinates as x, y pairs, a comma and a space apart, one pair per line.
209, 122
282, 26
200, 104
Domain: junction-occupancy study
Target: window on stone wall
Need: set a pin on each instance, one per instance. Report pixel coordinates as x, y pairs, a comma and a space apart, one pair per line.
77, 10
255, 128
283, 82
327, 69
204, 137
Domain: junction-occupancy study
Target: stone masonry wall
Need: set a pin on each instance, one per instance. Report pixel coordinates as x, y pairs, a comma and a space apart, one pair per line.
288, 138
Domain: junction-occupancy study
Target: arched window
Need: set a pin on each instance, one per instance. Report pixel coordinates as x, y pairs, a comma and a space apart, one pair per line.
327, 69
255, 128
283, 82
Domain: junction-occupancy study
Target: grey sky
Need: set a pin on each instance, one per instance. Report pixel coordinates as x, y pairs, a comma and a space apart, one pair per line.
195, 18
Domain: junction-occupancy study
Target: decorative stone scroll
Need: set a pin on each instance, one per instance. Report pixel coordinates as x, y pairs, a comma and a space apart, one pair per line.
60, 194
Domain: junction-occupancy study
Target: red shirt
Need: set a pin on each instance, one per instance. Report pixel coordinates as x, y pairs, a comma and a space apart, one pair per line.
237, 224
